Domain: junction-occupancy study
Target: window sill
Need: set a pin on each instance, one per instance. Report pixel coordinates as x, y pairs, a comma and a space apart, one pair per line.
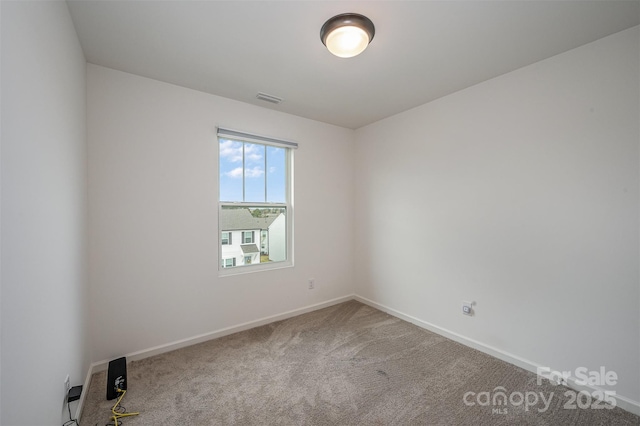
242, 270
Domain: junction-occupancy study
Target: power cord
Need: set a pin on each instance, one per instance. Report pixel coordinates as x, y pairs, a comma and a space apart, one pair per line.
70, 421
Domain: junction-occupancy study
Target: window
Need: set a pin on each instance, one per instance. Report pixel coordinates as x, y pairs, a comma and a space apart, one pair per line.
226, 238
255, 184
228, 263
247, 237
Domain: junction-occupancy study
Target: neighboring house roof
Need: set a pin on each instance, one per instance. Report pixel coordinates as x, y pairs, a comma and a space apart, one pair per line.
249, 248
241, 219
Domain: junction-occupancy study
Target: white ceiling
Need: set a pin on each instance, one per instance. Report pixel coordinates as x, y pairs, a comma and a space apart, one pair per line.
422, 50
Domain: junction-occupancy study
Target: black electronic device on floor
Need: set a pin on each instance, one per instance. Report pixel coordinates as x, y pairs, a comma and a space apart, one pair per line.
74, 393
116, 377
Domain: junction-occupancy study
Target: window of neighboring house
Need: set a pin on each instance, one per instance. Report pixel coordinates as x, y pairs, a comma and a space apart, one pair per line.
263, 242
228, 263
255, 192
226, 238
247, 237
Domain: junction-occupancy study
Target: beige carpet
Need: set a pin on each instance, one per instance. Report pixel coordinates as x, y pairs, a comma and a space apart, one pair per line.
348, 364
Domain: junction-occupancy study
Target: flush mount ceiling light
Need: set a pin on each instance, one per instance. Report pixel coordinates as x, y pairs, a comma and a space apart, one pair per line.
347, 35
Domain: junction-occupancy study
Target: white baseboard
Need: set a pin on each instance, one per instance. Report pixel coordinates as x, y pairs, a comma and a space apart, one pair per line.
621, 401
85, 391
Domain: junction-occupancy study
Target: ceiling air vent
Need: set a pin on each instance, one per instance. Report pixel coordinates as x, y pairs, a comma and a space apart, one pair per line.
268, 98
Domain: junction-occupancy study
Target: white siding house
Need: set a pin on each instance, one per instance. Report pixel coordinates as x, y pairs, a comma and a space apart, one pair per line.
244, 237
277, 239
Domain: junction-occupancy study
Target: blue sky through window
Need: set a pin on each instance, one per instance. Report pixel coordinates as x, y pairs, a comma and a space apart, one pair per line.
259, 169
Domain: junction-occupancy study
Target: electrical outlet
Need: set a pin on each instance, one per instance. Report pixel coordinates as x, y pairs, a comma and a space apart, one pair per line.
67, 384
467, 308
312, 283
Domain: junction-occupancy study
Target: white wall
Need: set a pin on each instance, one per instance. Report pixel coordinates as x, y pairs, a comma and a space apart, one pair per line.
524, 192
44, 279
153, 214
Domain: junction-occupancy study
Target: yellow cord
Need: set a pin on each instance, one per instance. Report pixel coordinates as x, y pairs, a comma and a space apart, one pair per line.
117, 415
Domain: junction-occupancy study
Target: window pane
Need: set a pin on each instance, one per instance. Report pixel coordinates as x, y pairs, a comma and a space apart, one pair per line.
276, 175
254, 158
230, 170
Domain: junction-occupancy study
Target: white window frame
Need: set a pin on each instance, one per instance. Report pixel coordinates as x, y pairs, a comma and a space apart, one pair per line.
287, 205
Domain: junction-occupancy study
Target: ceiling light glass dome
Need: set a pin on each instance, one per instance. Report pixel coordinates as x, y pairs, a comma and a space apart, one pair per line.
347, 35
